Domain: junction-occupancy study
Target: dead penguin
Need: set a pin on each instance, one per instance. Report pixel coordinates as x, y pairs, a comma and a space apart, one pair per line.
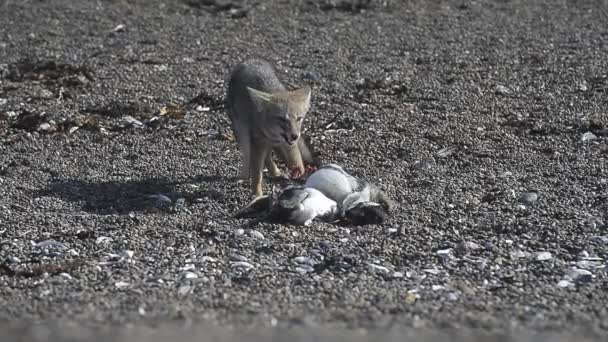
348, 191
296, 204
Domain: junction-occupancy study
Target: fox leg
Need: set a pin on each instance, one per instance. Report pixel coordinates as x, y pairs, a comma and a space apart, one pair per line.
272, 166
294, 159
258, 157
244, 141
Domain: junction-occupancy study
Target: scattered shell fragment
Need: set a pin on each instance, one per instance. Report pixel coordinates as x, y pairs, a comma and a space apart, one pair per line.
303, 269
543, 256
432, 271
119, 28
304, 260
588, 136
242, 264
121, 284
103, 240
132, 121
378, 268
190, 275
65, 275
447, 151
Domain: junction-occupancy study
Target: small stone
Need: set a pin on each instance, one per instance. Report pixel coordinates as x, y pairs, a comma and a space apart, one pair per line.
207, 258
564, 283
580, 275
471, 246
603, 239
239, 232
187, 267
3, 101
121, 284
543, 256
519, 254
202, 109
583, 255
190, 275
425, 164
398, 275
103, 240
304, 260
45, 126
132, 121
184, 290
44, 94
13, 260
432, 271
256, 234
237, 257
311, 76
588, 136
141, 311
437, 287
502, 90
445, 253
302, 270
242, 264
587, 264
453, 296
528, 197
127, 254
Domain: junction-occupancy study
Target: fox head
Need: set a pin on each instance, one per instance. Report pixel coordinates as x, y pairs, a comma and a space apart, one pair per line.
283, 112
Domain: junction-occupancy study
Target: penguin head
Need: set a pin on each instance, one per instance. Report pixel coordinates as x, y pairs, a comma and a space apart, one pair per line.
364, 213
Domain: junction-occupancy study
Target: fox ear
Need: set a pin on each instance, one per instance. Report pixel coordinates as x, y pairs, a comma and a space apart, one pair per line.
259, 98
301, 96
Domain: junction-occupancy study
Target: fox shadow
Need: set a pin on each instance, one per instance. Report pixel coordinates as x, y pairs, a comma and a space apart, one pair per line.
123, 197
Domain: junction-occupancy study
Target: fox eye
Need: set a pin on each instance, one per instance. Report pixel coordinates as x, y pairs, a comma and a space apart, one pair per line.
299, 118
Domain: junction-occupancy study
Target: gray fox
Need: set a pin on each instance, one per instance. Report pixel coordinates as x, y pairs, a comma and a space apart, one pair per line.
266, 117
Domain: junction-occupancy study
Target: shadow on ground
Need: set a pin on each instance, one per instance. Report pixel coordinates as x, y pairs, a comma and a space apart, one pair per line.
123, 197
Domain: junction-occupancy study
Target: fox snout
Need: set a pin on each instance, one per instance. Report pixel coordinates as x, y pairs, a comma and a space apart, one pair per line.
291, 138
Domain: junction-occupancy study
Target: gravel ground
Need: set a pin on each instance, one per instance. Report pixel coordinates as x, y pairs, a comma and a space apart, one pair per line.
486, 121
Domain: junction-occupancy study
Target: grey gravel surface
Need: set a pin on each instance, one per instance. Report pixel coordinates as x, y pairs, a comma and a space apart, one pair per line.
485, 121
